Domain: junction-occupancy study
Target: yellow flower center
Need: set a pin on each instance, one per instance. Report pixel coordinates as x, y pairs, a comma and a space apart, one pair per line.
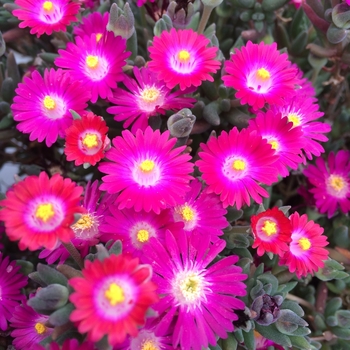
49, 103
48, 6
115, 294
98, 37
44, 212
270, 228
191, 286
149, 345
150, 95
183, 56
83, 223
274, 144
187, 213
304, 243
263, 74
142, 236
336, 182
92, 61
293, 117
40, 328
147, 166
238, 165
90, 140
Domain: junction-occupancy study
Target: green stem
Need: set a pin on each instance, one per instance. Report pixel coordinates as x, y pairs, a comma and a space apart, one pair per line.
204, 19
74, 254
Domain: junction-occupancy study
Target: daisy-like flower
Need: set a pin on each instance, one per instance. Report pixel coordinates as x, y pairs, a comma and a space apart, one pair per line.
331, 183
148, 96
98, 64
45, 17
87, 230
302, 111
38, 211
147, 171
42, 105
272, 231
29, 327
87, 140
260, 74
198, 299
135, 229
287, 141
11, 283
94, 23
234, 163
183, 57
306, 251
112, 298
201, 212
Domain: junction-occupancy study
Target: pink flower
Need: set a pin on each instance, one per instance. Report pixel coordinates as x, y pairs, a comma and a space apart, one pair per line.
260, 74
94, 23
182, 57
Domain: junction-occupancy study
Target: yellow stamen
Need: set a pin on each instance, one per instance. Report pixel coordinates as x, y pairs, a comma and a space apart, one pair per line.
90, 140
44, 212
49, 103
270, 228
150, 95
187, 213
304, 243
238, 164
98, 37
293, 117
40, 328
48, 6
147, 166
263, 74
183, 56
83, 223
149, 345
92, 61
142, 236
191, 286
115, 294
274, 144
336, 182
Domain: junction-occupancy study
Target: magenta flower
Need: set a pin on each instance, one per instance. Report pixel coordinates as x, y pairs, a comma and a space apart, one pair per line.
98, 64
42, 104
183, 57
45, 17
29, 327
148, 96
146, 170
283, 138
201, 212
331, 183
234, 165
94, 23
11, 283
198, 299
260, 74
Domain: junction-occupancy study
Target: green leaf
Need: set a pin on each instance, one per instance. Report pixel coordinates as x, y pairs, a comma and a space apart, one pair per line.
51, 276
289, 321
332, 306
343, 317
61, 316
271, 332
268, 278
249, 339
293, 306
342, 333
300, 343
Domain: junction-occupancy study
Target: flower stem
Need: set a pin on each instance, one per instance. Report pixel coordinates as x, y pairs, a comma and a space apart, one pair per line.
204, 19
74, 254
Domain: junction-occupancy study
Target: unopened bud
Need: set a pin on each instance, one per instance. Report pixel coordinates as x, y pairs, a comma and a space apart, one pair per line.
181, 17
267, 309
121, 21
181, 124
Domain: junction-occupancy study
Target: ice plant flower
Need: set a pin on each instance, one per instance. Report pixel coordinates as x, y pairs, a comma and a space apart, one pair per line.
98, 64
261, 75
29, 327
87, 230
200, 300
201, 212
331, 182
147, 171
234, 163
147, 96
11, 283
94, 23
42, 104
45, 17
272, 231
302, 111
112, 298
135, 229
306, 252
86, 140
183, 57
285, 139
38, 211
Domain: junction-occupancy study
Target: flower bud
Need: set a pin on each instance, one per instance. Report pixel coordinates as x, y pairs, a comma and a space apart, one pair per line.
267, 309
180, 16
341, 15
121, 21
180, 124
